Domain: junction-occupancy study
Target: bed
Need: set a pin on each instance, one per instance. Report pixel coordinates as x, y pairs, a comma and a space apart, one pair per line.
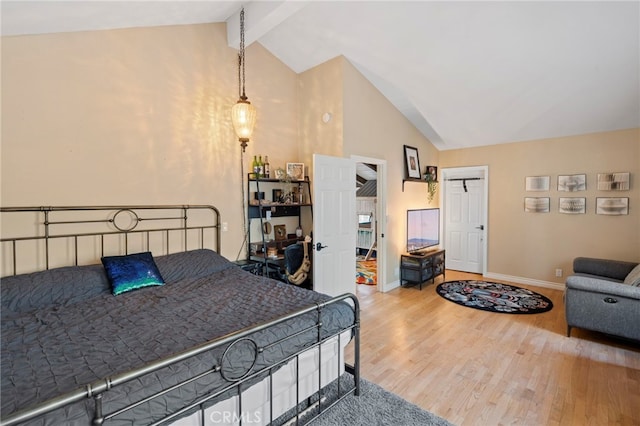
212, 344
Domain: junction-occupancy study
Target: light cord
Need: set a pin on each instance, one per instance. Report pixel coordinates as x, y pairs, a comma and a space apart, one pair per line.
241, 80
244, 207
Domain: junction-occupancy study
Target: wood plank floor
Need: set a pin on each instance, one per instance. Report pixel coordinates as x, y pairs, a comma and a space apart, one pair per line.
480, 368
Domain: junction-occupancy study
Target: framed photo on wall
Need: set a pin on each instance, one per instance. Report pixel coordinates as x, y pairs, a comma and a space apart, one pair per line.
572, 183
613, 181
536, 183
412, 162
536, 204
572, 205
612, 206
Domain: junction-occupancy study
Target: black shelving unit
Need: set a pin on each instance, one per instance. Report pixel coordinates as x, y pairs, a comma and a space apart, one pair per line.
260, 209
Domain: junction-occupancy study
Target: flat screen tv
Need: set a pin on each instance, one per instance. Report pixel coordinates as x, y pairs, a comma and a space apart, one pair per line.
423, 229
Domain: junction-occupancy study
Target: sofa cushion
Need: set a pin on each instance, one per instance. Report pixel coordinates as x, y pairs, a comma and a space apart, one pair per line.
615, 269
634, 277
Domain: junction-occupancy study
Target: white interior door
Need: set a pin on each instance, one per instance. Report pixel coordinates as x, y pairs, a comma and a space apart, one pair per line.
334, 225
464, 223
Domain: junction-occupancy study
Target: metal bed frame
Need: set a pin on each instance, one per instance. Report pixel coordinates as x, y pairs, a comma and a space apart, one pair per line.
115, 224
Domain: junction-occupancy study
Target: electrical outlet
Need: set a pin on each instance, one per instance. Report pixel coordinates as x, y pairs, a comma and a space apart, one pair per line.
225, 226
558, 272
396, 272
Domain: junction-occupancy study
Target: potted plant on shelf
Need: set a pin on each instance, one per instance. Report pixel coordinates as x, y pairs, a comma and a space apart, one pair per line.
431, 176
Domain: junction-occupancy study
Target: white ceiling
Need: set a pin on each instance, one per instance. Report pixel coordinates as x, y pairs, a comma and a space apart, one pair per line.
465, 73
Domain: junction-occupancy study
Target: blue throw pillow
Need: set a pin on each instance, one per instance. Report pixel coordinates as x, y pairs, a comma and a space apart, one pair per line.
131, 272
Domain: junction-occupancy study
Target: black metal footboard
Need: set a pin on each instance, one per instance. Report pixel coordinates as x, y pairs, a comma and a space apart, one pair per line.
99, 388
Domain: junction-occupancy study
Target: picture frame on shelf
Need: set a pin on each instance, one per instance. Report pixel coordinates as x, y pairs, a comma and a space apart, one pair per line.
412, 162
280, 232
613, 181
295, 171
572, 205
572, 183
537, 204
431, 174
536, 183
276, 195
612, 206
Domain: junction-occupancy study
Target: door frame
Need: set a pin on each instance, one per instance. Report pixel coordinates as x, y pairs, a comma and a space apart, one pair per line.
381, 215
471, 171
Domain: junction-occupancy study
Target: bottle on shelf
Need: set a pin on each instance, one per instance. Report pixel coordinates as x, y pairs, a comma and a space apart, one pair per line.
254, 166
266, 168
260, 167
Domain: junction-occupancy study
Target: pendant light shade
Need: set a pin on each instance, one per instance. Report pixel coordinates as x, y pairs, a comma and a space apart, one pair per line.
243, 114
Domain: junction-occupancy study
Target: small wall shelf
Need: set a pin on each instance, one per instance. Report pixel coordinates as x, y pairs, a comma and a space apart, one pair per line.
412, 180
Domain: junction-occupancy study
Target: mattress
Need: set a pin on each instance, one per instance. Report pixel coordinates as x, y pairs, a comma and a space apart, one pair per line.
72, 335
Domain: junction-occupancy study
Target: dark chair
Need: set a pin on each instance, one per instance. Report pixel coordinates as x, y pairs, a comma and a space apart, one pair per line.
297, 263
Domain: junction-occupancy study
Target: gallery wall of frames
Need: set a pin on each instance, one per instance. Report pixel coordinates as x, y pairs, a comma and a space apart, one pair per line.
609, 201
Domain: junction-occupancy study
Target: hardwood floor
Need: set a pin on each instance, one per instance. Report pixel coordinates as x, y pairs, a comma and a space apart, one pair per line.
479, 368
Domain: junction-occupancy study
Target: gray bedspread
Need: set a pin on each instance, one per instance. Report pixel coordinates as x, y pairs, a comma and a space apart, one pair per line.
80, 333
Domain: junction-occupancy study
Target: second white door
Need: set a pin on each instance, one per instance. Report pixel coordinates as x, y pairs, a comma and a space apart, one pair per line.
464, 224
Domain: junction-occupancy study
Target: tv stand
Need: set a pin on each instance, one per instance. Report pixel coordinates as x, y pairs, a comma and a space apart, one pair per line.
420, 267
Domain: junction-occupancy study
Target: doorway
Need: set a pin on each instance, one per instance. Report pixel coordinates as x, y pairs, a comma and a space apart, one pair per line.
465, 205
371, 215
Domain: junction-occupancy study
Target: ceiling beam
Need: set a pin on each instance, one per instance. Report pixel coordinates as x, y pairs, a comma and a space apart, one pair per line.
373, 167
260, 18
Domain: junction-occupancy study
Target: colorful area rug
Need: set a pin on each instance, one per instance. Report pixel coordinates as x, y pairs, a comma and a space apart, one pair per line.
366, 272
494, 297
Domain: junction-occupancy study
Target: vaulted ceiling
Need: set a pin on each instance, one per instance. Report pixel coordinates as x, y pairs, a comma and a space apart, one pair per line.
464, 73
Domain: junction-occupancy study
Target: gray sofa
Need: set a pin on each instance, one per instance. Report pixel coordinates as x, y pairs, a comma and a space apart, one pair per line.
596, 298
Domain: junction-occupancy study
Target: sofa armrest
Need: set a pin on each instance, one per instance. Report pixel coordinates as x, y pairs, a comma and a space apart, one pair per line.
615, 269
595, 285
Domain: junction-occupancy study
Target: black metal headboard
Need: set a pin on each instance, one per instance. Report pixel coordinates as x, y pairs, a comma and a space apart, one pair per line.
38, 238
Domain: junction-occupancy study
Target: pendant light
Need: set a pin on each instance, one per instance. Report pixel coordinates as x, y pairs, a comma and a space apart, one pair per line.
243, 114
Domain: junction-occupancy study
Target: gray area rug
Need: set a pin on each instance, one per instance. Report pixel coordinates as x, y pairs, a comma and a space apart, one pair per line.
374, 406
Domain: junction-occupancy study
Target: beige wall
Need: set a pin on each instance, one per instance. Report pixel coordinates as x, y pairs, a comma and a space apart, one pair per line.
138, 116
533, 245
321, 91
374, 128
142, 116
366, 124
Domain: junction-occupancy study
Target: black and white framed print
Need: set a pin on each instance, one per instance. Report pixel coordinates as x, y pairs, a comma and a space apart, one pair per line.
572, 183
572, 205
612, 206
536, 204
536, 183
412, 166
613, 181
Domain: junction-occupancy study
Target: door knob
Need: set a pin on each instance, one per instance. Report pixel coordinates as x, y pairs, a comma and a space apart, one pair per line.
481, 227
319, 246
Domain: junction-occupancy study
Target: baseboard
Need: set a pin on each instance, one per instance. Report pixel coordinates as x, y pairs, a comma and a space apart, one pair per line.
520, 280
390, 286
527, 281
